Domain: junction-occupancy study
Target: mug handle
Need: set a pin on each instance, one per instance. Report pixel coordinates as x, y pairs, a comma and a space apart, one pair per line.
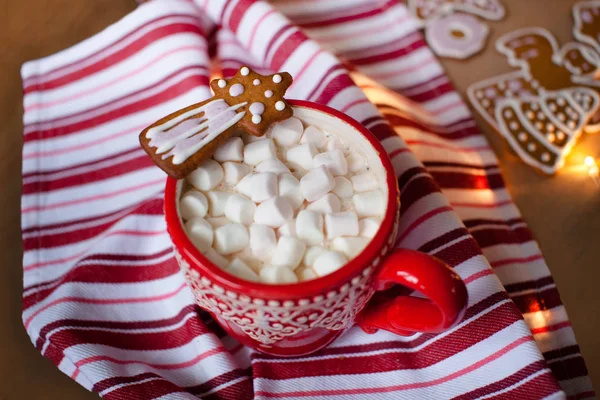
404, 315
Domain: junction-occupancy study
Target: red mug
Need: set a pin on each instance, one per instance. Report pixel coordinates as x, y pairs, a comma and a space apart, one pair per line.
301, 318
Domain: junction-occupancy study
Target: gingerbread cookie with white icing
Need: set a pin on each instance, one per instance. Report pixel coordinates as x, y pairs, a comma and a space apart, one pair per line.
248, 102
543, 108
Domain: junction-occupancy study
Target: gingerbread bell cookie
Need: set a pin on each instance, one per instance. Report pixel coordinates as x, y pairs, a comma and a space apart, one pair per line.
542, 108
248, 102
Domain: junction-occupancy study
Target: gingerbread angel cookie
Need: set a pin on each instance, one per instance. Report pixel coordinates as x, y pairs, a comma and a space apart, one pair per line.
548, 79
248, 102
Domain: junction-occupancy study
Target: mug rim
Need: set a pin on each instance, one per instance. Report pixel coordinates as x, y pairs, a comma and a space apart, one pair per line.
292, 291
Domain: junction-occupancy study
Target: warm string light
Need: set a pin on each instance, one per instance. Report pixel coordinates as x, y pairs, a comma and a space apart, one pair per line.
592, 167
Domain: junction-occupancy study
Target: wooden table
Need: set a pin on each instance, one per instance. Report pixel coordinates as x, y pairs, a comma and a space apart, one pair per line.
563, 211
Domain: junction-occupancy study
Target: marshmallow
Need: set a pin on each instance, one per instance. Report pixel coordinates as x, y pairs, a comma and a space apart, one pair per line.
289, 187
273, 165
217, 201
248, 138
208, 175
343, 187
335, 144
193, 204
355, 163
264, 186
288, 253
314, 135
216, 258
287, 229
245, 186
306, 274
274, 212
230, 238
364, 182
350, 246
262, 241
312, 254
316, 184
249, 259
287, 132
309, 226
277, 275
333, 160
230, 150
241, 270
216, 222
200, 233
234, 172
240, 209
368, 227
328, 262
301, 156
369, 204
258, 151
327, 204
341, 224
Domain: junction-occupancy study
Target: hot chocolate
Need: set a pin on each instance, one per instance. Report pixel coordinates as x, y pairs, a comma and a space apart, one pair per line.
291, 206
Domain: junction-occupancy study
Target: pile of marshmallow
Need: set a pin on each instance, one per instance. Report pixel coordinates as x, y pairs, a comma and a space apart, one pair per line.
291, 206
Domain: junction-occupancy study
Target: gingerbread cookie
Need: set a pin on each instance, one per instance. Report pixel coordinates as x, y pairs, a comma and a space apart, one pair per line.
428, 9
248, 102
587, 23
543, 129
555, 81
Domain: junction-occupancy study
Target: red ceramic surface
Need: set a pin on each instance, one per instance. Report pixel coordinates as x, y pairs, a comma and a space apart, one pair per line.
297, 319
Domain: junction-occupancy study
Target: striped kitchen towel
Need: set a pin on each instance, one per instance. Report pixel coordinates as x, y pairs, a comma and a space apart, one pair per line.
103, 296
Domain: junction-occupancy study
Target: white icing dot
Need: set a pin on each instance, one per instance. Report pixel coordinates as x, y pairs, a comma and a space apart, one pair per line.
508, 93
535, 107
502, 85
485, 103
236, 89
507, 114
268, 93
256, 119
522, 136
244, 71
221, 83
572, 124
541, 115
552, 107
562, 117
545, 157
257, 108
530, 115
560, 135
550, 127
256, 82
535, 84
539, 125
561, 102
280, 105
479, 94
531, 147
551, 138
276, 78
514, 125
